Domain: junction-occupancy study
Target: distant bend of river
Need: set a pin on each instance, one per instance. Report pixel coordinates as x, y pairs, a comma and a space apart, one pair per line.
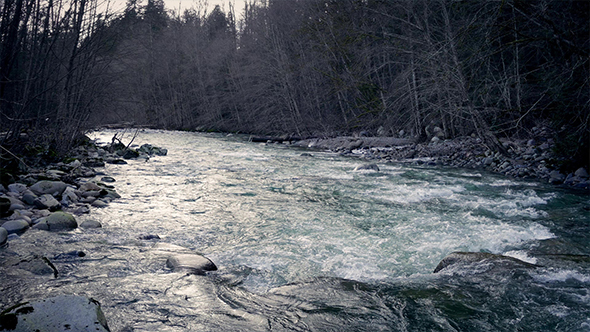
306, 243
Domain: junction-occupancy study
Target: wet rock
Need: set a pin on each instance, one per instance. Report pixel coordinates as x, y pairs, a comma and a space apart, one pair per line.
99, 203
90, 223
48, 202
37, 265
149, 237
107, 179
54, 188
354, 145
60, 221
130, 154
116, 161
372, 167
3, 236
16, 226
60, 313
305, 154
192, 263
468, 258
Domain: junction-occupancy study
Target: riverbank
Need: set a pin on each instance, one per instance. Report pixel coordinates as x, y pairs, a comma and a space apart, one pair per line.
523, 158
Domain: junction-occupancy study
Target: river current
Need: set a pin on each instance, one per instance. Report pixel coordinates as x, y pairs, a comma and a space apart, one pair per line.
306, 243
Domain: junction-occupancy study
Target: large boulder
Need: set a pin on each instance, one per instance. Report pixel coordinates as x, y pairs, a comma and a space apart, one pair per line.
60, 313
60, 221
191, 263
468, 258
54, 188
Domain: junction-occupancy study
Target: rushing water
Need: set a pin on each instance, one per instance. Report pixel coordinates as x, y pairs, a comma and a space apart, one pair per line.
308, 244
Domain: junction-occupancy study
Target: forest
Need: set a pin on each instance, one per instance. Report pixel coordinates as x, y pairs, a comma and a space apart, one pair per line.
296, 67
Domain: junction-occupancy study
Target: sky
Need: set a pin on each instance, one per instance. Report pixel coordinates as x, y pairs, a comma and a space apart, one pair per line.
185, 4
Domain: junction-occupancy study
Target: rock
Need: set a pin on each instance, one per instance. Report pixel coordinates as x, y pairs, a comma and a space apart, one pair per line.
373, 167
305, 154
193, 263
3, 236
16, 226
60, 313
37, 265
29, 197
18, 188
468, 258
149, 237
107, 179
581, 172
5, 207
89, 186
99, 203
69, 197
90, 223
116, 161
130, 154
354, 145
59, 221
48, 202
487, 161
54, 188
555, 177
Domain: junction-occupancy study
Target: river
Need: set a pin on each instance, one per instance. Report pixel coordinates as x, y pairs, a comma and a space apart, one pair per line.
306, 243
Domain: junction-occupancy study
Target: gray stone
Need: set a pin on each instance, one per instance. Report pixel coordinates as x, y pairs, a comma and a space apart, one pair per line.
37, 265
108, 179
48, 202
468, 258
54, 188
16, 226
488, 161
90, 223
17, 188
59, 221
69, 196
192, 263
60, 313
29, 197
372, 167
89, 186
435, 139
582, 173
555, 177
99, 203
3, 236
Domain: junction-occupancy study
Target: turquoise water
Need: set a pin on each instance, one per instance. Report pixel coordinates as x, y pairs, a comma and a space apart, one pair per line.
308, 244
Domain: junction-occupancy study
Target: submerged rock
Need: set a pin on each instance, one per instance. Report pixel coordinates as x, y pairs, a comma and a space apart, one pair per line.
192, 263
60, 313
467, 258
373, 167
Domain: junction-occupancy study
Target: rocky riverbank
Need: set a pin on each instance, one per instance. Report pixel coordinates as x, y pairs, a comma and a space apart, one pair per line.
49, 198
532, 158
